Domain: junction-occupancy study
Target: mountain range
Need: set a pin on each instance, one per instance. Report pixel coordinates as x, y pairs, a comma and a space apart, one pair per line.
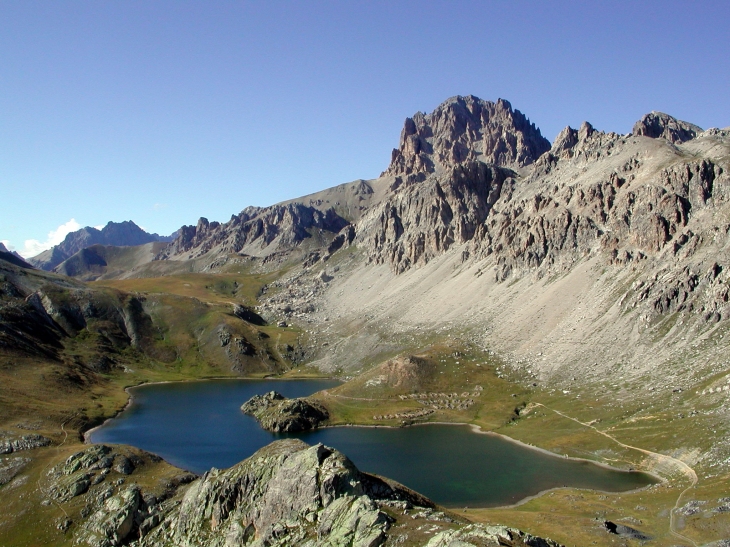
117, 234
586, 282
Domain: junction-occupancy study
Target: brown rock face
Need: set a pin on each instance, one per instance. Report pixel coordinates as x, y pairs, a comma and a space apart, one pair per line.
422, 220
658, 124
464, 129
255, 231
581, 197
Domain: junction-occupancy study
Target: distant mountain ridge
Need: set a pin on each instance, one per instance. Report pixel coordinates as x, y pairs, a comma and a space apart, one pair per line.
13, 257
120, 234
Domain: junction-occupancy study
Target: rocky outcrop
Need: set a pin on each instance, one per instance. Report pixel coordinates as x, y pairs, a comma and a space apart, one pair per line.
24, 442
478, 535
278, 414
462, 130
552, 217
255, 231
288, 493
659, 125
125, 233
10, 467
114, 521
114, 513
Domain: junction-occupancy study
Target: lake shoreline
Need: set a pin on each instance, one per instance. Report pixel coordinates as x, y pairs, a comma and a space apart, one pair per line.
479, 431
472, 427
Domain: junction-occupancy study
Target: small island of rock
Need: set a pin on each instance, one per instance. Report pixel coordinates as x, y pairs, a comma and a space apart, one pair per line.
278, 414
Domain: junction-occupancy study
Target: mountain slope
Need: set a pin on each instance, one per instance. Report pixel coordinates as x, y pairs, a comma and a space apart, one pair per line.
108, 261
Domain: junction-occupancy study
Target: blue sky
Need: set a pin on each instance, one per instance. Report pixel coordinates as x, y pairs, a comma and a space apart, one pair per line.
162, 112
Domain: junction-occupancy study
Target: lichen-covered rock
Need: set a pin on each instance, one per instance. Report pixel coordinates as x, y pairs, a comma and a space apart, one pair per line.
113, 522
480, 535
278, 414
288, 493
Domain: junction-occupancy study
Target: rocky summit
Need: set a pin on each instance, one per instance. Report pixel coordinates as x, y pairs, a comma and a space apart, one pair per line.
465, 129
125, 233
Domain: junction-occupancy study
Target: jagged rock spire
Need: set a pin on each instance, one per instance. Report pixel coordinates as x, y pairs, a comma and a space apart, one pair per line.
464, 129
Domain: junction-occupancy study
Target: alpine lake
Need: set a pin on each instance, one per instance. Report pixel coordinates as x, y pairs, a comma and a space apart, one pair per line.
199, 425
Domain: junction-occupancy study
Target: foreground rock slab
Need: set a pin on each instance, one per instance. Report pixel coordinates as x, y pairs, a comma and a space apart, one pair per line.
287, 493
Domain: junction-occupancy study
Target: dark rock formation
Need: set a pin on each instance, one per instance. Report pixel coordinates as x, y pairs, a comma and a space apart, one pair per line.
278, 414
465, 129
248, 314
13, 257
659, 125
625, 531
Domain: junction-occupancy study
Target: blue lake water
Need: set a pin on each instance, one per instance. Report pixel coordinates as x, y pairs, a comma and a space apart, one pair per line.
199, 425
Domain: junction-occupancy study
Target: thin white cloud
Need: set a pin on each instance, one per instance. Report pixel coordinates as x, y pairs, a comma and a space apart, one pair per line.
99, 227
7, 244
33, 247
158, 206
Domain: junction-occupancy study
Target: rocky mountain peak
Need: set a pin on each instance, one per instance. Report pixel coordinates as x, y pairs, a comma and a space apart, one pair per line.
464, 129
125, 233
658, 124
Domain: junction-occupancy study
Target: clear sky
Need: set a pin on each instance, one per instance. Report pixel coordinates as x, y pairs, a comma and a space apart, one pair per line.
162, 112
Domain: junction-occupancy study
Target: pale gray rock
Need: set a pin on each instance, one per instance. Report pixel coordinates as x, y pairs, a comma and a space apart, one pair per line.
113, 522
10, 467
480, 535
25, 442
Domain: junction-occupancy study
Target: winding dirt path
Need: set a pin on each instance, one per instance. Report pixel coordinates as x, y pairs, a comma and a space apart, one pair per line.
675, 463
65, 438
